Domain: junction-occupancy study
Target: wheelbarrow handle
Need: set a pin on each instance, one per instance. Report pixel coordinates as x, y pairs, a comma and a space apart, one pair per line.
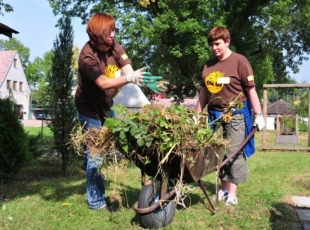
241, 146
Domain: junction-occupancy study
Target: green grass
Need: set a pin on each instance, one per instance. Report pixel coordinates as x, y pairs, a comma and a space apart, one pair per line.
47, 133
40, 198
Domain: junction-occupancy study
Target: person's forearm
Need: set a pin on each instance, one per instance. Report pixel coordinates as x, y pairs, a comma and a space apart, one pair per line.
114, 83
254, 100
110, 83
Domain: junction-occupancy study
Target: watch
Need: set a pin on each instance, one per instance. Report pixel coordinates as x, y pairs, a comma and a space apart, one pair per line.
259, 113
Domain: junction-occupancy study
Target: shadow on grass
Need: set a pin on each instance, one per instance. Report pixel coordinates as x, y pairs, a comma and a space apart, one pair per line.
44, 178
283, 217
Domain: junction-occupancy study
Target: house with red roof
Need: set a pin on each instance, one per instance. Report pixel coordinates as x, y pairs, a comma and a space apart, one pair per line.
12, 77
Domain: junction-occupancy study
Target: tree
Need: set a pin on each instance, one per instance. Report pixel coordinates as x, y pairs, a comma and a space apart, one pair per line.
301, 101
170, 35
14, 44
39, 68
4, 7
59, 90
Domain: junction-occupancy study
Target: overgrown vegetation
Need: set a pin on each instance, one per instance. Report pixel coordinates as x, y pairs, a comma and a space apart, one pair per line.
156, 129
158, 137
288, 124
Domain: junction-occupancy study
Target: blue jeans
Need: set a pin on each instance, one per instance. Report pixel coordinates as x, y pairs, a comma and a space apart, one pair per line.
94, 180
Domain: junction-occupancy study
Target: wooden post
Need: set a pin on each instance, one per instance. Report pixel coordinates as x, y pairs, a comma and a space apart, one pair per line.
309, 117
265, 100
278, 124
296, 125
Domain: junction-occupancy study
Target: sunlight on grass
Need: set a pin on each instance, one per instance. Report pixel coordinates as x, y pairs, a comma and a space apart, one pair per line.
40, 198
47, 132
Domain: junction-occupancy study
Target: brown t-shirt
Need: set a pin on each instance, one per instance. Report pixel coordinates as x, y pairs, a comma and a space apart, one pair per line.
90, 100
227, 80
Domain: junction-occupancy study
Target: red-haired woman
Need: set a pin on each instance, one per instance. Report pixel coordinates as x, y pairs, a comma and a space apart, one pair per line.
103, 66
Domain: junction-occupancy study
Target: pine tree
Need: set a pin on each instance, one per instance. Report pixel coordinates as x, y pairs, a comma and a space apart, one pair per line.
60, 85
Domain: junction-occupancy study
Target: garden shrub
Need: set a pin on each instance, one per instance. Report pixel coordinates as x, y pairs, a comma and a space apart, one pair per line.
35, 144
302, 126
287, 124
14, 150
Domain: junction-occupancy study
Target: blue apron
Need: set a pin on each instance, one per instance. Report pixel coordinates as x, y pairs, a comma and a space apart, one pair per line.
246, 110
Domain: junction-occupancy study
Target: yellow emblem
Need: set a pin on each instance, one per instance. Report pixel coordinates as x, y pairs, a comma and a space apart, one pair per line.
124, 56
110, 70
211, 82
251, 78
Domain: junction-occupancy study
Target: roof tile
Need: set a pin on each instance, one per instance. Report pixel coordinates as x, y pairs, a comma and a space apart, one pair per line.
6, 58
280, 107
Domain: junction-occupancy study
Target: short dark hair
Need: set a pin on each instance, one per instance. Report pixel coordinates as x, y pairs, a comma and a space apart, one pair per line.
99, 25
218, 32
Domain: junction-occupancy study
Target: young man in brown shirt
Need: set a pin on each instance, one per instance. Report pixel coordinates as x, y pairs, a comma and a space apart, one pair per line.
228, 80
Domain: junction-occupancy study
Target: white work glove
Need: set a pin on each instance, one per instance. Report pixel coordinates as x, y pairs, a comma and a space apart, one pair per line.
259, 121
136, 77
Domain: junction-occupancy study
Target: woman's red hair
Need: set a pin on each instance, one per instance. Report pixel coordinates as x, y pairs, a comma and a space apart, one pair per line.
99, 26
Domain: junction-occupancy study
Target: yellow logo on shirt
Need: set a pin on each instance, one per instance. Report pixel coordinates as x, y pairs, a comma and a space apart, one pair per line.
124, 56
110, 70
251, 78
211, 81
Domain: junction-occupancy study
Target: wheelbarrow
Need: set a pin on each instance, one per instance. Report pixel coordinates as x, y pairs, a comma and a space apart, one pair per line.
156, 206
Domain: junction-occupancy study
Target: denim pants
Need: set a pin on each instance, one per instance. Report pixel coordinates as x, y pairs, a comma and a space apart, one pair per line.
95, 191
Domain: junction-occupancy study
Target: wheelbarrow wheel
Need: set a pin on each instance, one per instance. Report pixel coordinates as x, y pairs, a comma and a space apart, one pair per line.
162, 215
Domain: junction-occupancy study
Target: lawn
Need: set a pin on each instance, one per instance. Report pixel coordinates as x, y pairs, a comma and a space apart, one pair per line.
40, 198
47, 133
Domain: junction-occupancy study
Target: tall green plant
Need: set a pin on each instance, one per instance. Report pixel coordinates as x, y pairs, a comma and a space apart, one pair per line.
59, 91
14, 148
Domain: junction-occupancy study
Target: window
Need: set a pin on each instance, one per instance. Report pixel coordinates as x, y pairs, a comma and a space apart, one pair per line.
15, 62
15, 85
21, 87
8, 84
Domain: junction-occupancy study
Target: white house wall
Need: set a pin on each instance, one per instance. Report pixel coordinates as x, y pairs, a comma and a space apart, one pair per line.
271, 123
17, 74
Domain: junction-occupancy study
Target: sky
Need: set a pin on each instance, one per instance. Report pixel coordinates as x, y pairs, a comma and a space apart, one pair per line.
35, 22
